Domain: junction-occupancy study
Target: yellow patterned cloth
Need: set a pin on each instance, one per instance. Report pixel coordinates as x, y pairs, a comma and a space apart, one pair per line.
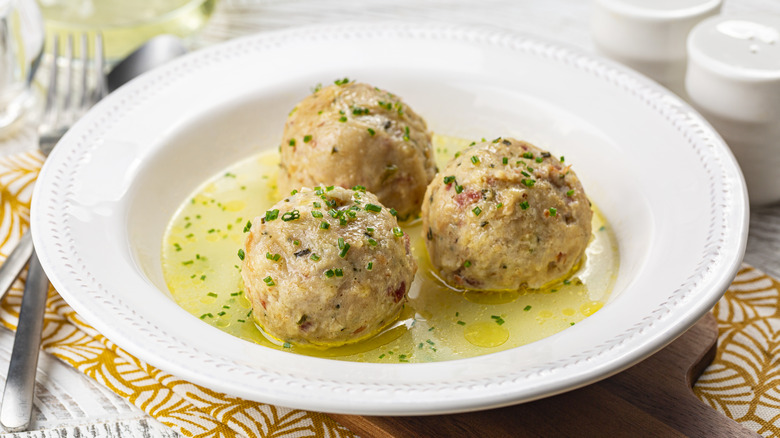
743, 382
187, 408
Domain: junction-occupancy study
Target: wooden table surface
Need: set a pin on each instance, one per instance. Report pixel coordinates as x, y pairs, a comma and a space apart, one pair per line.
71, 405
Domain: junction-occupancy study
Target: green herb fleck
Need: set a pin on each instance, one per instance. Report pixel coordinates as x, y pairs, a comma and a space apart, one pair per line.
291, 215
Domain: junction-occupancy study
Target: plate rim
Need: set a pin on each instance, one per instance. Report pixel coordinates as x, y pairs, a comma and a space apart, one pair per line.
647, 91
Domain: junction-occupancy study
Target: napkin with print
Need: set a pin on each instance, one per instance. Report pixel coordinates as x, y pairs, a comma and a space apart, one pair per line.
185, 407
742, 382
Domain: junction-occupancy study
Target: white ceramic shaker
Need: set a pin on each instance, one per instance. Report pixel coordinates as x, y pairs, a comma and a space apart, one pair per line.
734, 81
649, 35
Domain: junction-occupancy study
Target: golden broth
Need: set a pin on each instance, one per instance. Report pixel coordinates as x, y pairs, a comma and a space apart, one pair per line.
202, 270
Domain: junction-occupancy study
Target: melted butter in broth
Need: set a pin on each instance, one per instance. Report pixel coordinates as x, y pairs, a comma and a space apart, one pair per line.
202, 270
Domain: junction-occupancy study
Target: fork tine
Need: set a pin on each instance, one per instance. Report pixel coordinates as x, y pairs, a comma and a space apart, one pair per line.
84, 102
51, 91
67, 102
101, 88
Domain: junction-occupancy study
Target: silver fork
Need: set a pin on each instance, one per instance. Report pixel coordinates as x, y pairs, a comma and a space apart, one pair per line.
58, 116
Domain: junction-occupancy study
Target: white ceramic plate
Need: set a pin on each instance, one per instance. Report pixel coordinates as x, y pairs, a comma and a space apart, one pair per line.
665, 181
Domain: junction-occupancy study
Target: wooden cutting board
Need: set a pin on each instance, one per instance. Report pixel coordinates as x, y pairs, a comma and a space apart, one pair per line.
653, 398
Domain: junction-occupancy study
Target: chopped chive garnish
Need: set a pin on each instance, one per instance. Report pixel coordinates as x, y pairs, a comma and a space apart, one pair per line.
397, 231
562, 159
372, 242
338, 272
449, 179
269, 281
539, 159
527, 308
393, 212
528, 182
315, 257
477, 211
553, 211
212, 294
373, 208
524, 205
458, 189
274, 257
306, 138
292, 142
271, 215
370, 266
344, 250
324, 225
291, 215
371, 131
461, 323
499, 205
474, 159
499, 320
467, 263
316, 214
570, 192
505, 160
329, 273
241, 254
370, 230
248, 226
528, 155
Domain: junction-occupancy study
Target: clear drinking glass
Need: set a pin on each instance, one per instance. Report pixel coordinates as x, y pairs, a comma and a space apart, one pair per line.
21, 47
125, 24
